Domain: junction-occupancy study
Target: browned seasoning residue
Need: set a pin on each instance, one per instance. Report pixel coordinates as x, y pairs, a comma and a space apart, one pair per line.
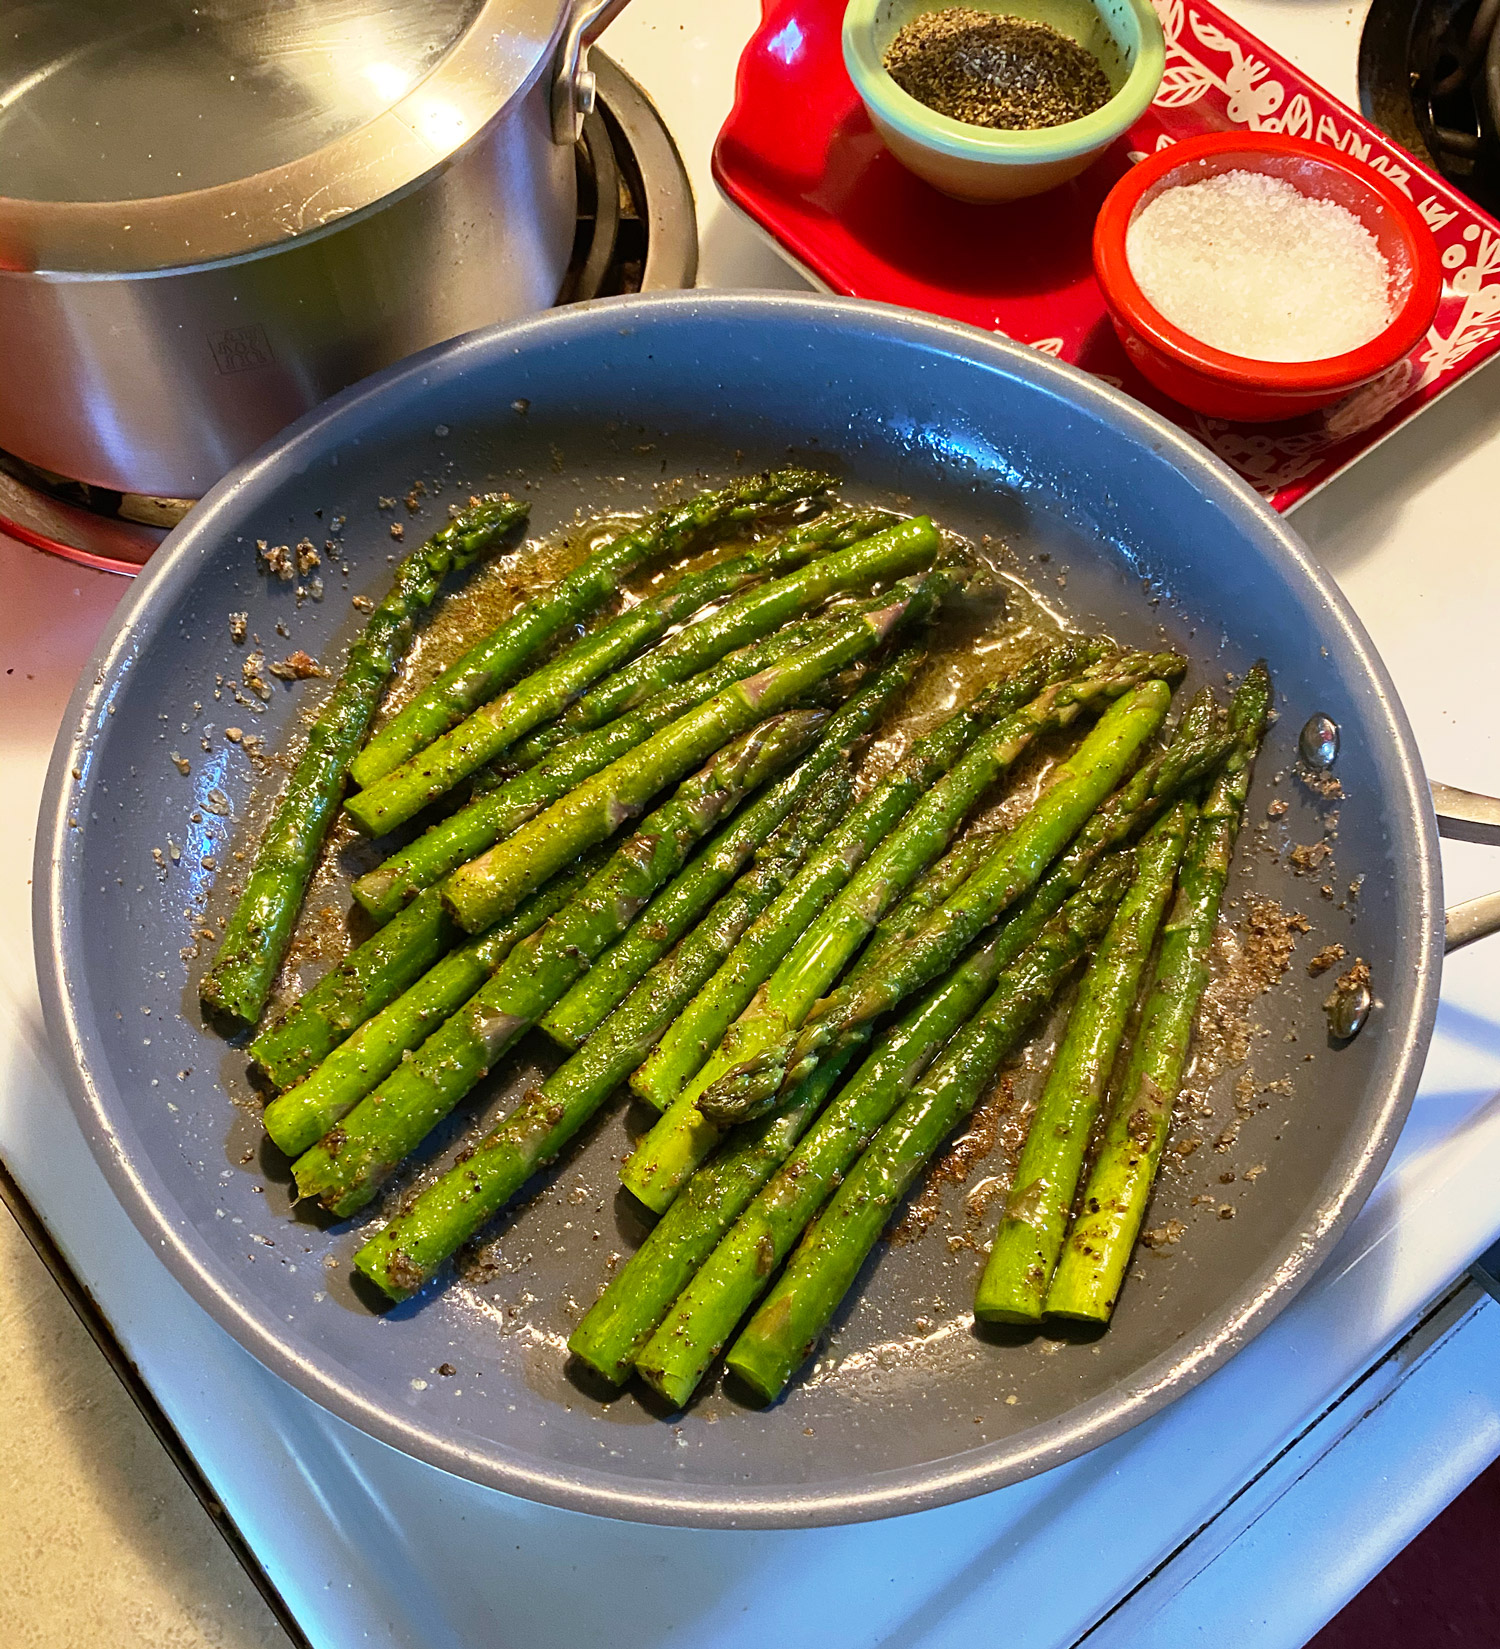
1325, 959
476, 1267
954, 1166
1247, 967
1320, 782
1164, 1235
297, 666
319, 937
277, 559
1306, 860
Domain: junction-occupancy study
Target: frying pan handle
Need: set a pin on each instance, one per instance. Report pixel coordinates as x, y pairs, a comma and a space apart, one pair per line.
1463, 816
573, 90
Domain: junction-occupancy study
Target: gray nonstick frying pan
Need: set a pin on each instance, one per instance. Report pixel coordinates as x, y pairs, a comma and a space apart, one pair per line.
1121, 520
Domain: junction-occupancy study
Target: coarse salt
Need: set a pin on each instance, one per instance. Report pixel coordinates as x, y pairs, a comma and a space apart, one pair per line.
1250, 265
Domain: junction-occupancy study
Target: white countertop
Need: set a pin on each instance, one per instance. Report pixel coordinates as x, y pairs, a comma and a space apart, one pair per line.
369, 1547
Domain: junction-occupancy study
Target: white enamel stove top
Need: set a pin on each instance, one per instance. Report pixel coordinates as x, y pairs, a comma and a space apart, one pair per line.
1246, 1514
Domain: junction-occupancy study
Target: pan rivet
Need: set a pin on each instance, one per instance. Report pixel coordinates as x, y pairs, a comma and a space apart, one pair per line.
1348, 1010
1319, 741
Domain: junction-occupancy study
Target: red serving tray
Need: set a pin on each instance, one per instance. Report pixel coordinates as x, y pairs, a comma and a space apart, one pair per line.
799, 156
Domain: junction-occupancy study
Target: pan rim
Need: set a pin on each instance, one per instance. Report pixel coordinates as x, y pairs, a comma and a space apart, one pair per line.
859, 1497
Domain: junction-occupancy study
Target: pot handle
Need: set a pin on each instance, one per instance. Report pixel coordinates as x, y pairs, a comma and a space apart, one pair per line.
1463, 816
573, 82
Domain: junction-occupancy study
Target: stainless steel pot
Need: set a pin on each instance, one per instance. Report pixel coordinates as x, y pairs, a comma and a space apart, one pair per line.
215, 214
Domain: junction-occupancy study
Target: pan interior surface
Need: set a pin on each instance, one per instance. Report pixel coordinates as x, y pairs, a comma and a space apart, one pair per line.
1115, 518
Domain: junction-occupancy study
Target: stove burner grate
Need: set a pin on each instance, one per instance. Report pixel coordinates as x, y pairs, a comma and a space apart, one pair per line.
1429, 76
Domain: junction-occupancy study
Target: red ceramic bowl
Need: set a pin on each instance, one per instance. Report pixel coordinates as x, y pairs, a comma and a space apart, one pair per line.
1234, 386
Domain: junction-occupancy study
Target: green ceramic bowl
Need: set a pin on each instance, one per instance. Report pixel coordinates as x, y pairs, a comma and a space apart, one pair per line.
977, 162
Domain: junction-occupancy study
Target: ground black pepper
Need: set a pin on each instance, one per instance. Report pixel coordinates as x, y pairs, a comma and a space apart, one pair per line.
1001, 72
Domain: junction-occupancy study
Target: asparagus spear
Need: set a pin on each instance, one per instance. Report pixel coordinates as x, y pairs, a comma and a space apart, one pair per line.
621, 1321
755, 1045
885, 554
1013, 1288
411, 1248
743, 1264
1078, 786
483, 890
299, 1117
665, 1077
545, 693
498, 657
679, 905
673, 660
1196, 749
684, 1136
931, 889
257, 934
676, 1073
347, 1166
370, 976
377, 972
784, 1330
467, 833
1098, 1249
740, 1268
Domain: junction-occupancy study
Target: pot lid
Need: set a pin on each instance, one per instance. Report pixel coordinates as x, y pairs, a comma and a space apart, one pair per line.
149, 134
